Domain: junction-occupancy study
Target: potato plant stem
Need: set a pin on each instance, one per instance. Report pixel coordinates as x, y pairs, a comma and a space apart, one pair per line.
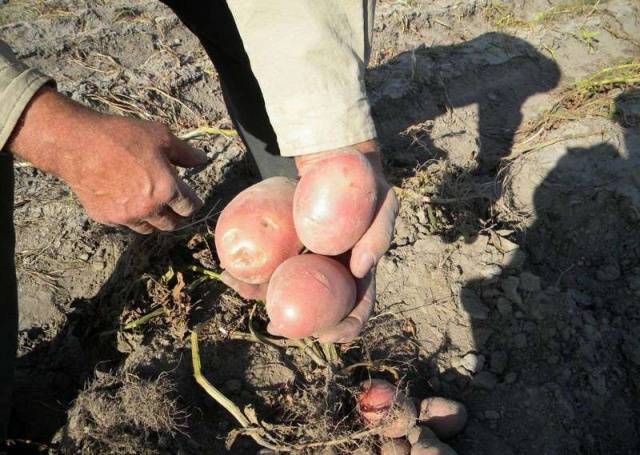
252, 430
220, 398
207, 130
144, 319
209, 273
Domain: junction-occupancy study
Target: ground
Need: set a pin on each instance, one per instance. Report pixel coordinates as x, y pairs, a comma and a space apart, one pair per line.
510, 131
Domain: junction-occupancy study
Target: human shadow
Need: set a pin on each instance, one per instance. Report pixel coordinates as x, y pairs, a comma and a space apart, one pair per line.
495, 71
567, 381
410, 89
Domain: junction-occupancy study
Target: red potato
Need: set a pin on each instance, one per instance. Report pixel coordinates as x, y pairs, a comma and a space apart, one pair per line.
445, 417
335, 202
396, 447
425, 442
433, 448
307, 294
381, 403
255, 231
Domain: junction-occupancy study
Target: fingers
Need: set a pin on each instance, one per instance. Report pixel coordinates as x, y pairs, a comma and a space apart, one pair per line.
353, 324
246, 290
185, 201
166, 220
141, 227
375, 242
182, 154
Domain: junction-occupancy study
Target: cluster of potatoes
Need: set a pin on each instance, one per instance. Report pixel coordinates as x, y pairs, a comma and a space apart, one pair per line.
260, 239
410, 428
262, 232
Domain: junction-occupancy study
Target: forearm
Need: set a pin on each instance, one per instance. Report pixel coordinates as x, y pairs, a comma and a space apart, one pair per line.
310, 65
53, 134
18, 84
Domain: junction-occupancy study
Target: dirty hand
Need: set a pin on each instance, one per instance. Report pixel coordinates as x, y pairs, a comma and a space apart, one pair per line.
121, 169
363, 257
366, 253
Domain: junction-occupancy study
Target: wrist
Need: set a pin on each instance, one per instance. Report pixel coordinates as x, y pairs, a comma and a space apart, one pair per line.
370, 149
50, 131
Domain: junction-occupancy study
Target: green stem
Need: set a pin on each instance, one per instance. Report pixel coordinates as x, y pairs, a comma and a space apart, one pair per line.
209, 273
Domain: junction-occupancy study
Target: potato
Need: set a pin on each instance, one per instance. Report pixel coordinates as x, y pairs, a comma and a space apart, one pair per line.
380, 403
445, 417
395, 447
308, 294
335, 202
255, 231
435, 448
425, 442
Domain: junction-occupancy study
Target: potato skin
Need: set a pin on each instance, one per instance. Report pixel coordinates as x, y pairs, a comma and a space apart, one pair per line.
335, 202
381, 403
255, 231
395, 447
307, 294
425, 442
445, 417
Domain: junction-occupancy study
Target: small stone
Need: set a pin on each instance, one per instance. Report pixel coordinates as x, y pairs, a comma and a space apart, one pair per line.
510, 289
472, 362
98, 266
83, 256
492, 415
519, 314
520, 341
505, 307
490, 271
529, 282
485, 380
510, 378
609, 272
498, 362
472, 304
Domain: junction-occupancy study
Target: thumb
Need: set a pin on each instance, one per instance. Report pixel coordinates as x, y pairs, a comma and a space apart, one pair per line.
182, 154
375, 242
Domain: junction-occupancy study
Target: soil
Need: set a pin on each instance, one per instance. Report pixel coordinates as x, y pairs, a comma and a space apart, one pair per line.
513, 281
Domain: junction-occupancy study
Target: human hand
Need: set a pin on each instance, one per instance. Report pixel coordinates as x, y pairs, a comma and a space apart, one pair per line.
121, 169
366, 253
363, 257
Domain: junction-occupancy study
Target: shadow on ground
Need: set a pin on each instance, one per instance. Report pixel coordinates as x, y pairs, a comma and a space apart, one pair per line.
565, 337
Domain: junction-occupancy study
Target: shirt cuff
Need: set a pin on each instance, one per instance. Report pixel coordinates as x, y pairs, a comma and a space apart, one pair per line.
18, 84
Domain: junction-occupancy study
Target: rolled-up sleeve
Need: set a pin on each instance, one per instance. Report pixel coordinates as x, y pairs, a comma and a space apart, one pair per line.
18, 84
309, 58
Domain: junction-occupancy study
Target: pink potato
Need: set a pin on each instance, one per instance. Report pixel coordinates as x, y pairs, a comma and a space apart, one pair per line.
395, 447
445, 417
380, 403
307, 294
255, 231
425, 442
335, 202
432, 448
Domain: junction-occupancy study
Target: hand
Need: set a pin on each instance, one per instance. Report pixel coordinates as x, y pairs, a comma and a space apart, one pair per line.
121, 169
362, 259
368, 250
